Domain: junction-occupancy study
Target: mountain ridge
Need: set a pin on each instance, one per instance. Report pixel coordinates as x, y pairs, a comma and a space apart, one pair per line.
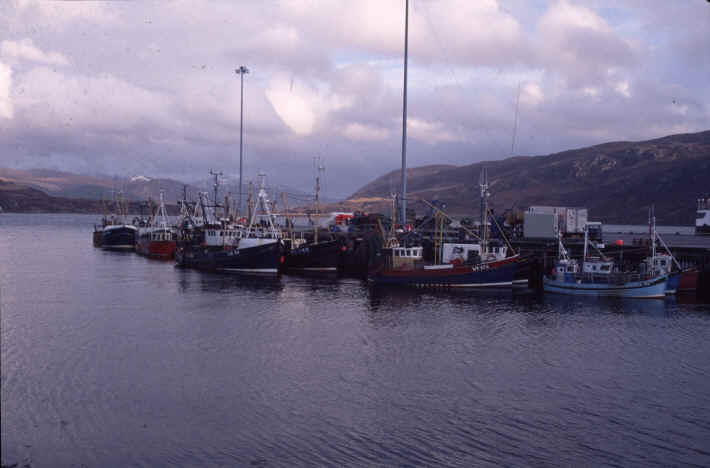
617, 181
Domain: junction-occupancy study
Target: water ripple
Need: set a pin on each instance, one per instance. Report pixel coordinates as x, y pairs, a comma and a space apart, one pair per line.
112, 360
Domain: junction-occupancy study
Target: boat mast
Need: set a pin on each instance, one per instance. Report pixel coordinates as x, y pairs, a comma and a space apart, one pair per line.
263, 200
319, 168
586, 239
483, 183
216, 188
203, 207
653, 238
161, 212
404, 117
288, 221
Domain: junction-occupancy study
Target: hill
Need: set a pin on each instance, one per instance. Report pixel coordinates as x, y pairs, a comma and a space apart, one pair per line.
617, 181
16, 198
68, 185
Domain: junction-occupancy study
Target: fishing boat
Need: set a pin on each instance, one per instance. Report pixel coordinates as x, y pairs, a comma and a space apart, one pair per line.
217, 245
158, 239
119, 237
486, 264
106, 220
404, 266
598, 276
118, 234
318, 255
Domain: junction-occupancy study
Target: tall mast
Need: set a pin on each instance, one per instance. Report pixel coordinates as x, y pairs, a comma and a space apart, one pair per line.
241, 71
404, 117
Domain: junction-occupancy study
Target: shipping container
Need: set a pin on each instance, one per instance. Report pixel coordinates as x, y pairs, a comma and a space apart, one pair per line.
540, 225
570, 220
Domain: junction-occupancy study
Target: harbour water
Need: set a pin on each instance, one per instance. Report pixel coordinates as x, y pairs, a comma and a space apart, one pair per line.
111, 359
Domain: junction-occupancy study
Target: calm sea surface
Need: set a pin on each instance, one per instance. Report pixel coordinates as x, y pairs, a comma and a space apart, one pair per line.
110, 359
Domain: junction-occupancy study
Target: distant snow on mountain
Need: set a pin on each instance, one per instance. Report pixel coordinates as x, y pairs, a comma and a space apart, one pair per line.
140, 178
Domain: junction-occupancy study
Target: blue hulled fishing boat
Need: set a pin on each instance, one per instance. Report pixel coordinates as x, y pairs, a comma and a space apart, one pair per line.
598, 276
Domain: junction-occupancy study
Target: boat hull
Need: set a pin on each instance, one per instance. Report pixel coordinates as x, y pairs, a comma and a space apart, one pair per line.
688, 281
164, 249
321, 257
485, 275
650, 289
260, 259
97, 237
118, 238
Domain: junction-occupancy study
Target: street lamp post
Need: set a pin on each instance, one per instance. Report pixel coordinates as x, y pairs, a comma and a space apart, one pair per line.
241, 71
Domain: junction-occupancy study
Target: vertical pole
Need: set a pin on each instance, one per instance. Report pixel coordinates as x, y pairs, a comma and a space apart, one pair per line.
241, 146
586, 238
241, 71
315, 225
404, 117
653, 239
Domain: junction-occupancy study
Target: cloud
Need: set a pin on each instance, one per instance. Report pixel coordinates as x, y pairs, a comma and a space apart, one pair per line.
302, 107
26, 50
455, 31
62, 14
364, 132
429, 132
531, 94
55, 102
580, 46
6, 110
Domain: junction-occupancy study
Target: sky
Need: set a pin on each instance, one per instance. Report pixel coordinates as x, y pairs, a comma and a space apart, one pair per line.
149, 87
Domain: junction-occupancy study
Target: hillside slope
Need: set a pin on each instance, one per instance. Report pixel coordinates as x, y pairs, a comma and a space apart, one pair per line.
616, 181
